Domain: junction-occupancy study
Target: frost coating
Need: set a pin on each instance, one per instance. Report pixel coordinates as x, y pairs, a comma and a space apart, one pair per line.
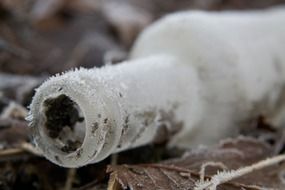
194, 72
120, 108
239, 59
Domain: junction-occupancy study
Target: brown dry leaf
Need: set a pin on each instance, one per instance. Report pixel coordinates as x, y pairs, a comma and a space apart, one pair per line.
50, 36
182, 173
129, 17
49, 46
13, 132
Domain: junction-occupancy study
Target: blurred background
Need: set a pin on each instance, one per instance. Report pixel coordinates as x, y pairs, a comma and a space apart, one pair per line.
42, 37
39, 38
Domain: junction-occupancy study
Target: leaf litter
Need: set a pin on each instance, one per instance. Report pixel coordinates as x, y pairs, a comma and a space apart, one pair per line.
40, 38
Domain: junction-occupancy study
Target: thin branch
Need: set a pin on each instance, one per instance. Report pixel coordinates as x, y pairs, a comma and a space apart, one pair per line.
227, 176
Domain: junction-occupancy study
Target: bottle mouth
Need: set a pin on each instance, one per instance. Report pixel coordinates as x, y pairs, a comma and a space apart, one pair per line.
72, 123
64, 123
61, 131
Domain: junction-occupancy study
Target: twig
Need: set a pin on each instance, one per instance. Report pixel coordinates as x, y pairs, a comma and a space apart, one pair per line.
11, 152
22, 149
28, 147
70, 178
226, 176
114, 159
203, 168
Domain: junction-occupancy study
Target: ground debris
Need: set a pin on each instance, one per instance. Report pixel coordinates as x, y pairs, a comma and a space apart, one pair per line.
13, 132
50, 36
46, 38
41, 37
19, 88
183, 173
260, 128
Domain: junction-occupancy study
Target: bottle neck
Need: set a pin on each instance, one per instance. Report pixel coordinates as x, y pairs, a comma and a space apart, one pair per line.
119, 107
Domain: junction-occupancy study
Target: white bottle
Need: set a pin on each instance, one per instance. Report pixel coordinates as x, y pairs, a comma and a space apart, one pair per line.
193, 75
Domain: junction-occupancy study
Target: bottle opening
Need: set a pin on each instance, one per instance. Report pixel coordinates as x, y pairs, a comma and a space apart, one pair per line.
64, 123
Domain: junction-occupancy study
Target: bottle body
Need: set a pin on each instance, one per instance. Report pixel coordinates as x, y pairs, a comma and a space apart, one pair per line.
123, 106
238, 58
191, 75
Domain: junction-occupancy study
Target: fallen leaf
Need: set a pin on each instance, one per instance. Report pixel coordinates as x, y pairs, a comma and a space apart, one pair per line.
13, 132
184, 172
